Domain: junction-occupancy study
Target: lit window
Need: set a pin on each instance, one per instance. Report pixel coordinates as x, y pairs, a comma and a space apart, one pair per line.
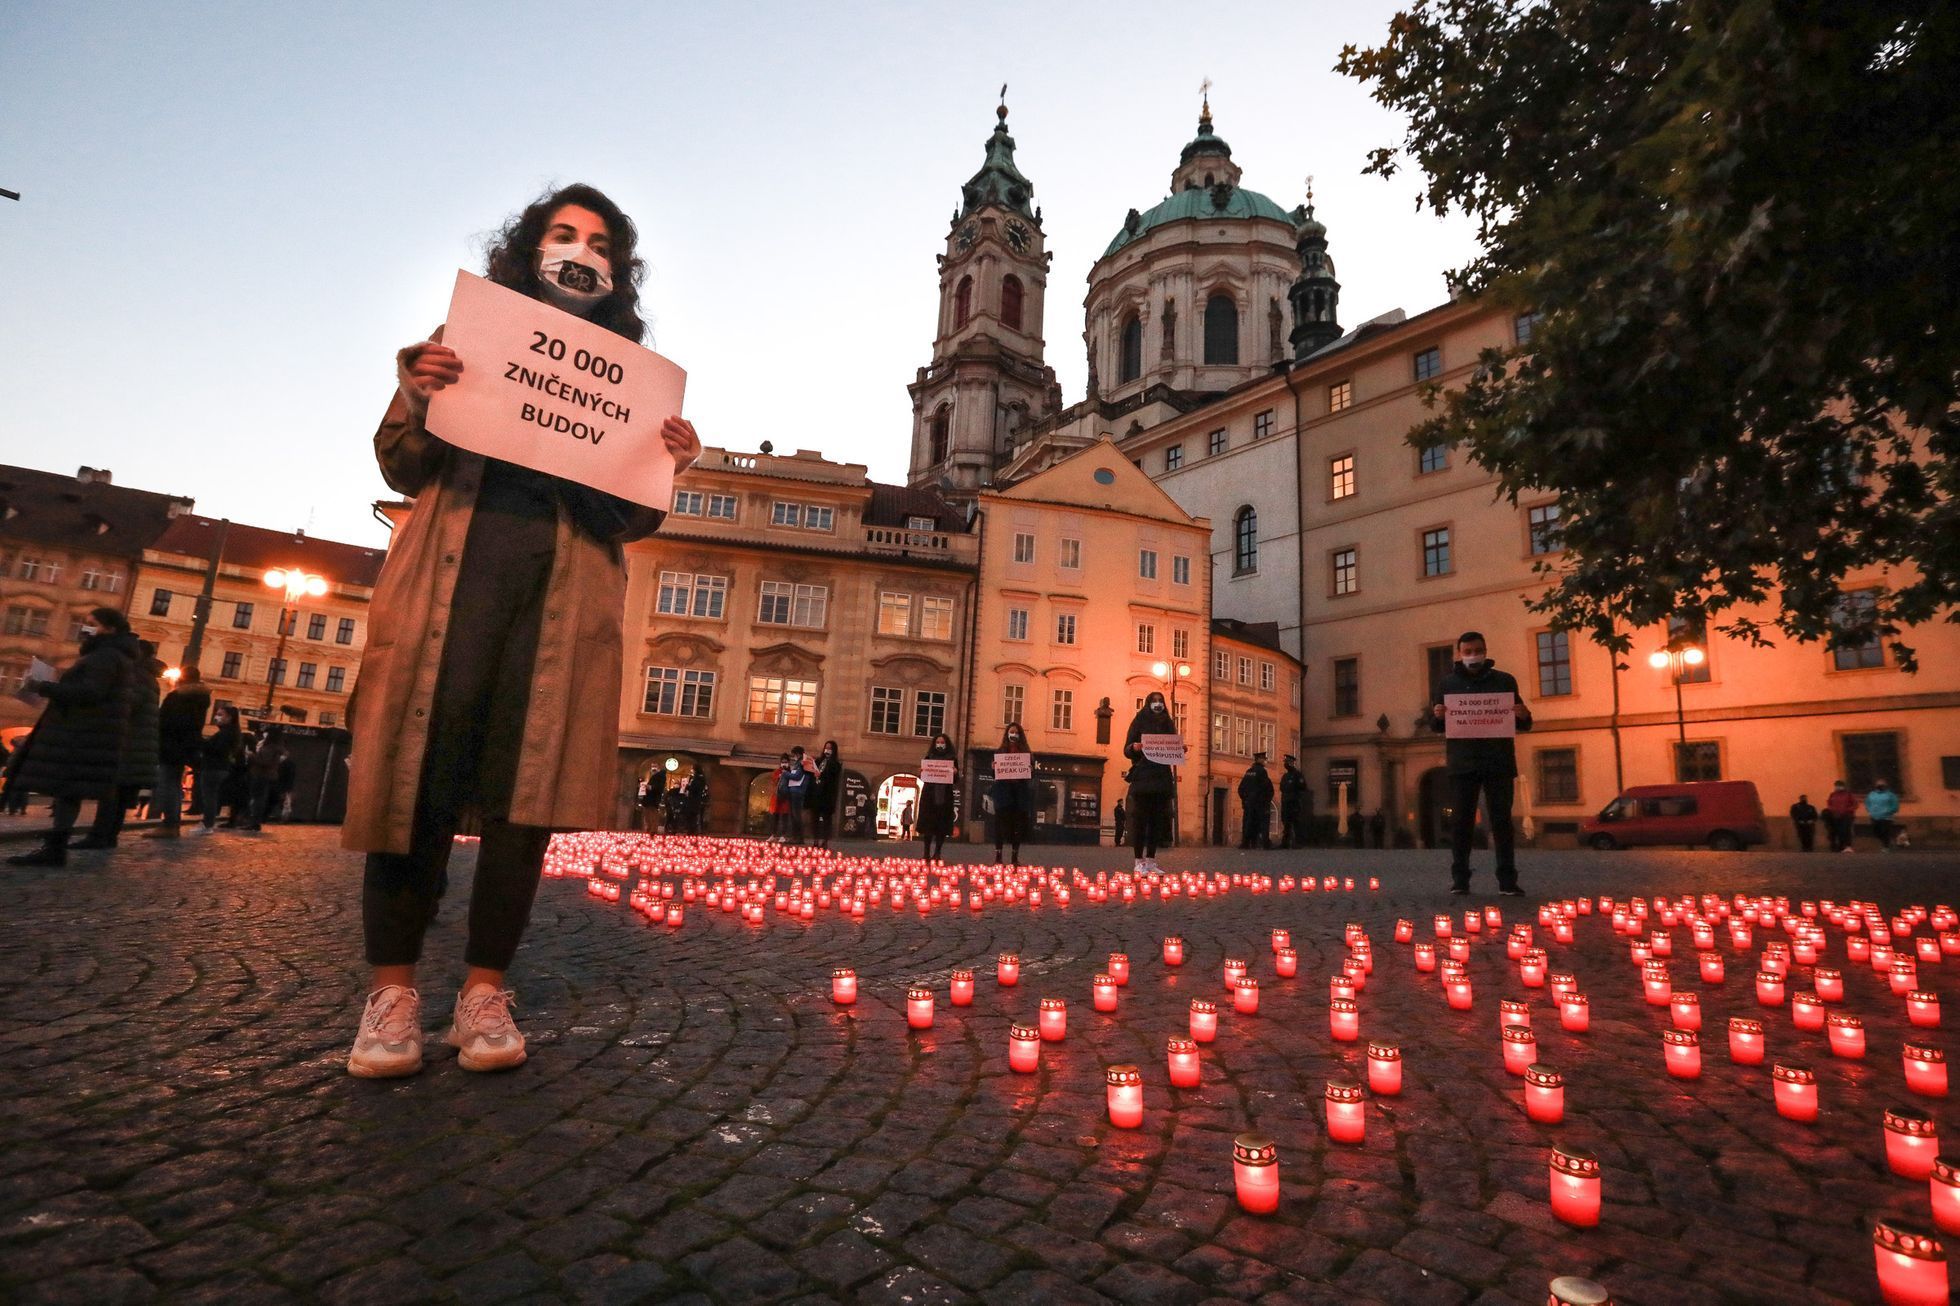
776, 701
1436, 552
1429, 364
1266, 738
1340, 395
1221, 732
1347, 572
1681, 634
894, 613
1023, 546
1242, 732
887, 710
935, 618
1340, 476
1147, 564
1061, 712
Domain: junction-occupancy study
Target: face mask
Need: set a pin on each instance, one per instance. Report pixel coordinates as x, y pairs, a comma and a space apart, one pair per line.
89, 632
572, 277
1154, 705
1474, 665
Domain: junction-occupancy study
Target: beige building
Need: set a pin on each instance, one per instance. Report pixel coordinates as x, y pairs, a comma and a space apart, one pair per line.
205, 579
1254, 707
789, 600
1093, 592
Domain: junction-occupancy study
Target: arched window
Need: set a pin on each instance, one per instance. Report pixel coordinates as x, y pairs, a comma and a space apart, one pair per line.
1010, 303
1130, 366
1245, 540
963, 302
1221, 329
942, 425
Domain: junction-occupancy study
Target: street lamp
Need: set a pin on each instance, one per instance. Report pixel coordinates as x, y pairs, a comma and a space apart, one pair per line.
1170, 673
1676, 660
297, 585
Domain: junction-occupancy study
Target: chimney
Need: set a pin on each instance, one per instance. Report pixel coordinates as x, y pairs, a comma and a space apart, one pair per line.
94, 476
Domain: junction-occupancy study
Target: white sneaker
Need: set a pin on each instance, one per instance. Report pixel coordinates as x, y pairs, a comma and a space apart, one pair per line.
389, 1044
1141, 868
482, 1032
1150, 864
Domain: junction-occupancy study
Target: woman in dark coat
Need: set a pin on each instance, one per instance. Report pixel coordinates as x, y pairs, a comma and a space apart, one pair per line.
138, 770
76, 749
1013, 799
217, 753
1151, 783
824, 793
936, 802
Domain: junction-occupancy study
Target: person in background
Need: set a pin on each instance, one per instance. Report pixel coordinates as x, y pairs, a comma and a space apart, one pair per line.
1117, 817
795, 786
1804, 817
936, 803
76, 750
696, 797
137, 771
826, 790
1840, 816
1292, 804
778, 801
1152, 785
905, 815
262, 776
1256, 804
284, 781
1013, 800
217, 754
1882, 806
180, 734
1486, 766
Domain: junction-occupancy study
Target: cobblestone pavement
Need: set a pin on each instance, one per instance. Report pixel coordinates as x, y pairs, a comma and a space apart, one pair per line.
698, 1121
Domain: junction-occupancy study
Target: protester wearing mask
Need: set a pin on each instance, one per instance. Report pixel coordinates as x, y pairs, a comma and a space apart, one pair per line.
1151, 783
180, 730
490, 683
1013, 800
936, 801
76, 750
137, 771
217, 754
826, 788
1486, 767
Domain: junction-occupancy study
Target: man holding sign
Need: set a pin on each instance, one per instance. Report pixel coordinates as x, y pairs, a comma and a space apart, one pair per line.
535, 437
1479, 711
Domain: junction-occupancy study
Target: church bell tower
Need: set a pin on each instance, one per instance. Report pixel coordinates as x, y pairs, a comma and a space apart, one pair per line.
1316, 295
987, 382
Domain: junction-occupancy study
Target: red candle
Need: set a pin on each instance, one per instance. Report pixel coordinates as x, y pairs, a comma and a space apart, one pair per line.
1182, 1055
1344, 1019
1340, 986
1054, 1019
1008, 970
1405, 931
1282, 939
1682, 1049
1520, 1048
1119, 968
1807, 1011
1442, 927
1925, 1069
1347, 1121
1562, 983
1458, 949
1911, 1264
1125, 1096
843, 987
1911, 1142
1662, 943
1234, 972
962, 988
1173, 950
1574, 1013
1858, 948
1829, 983
1769, 988
1923, 1009
1544, 1094
1656, 983
1575, 1186
1245, 998
1531, 969
1457, 989
1384, 1069
1745, 1041
1255, 1173
1796, 1092
918, 1008
1685, 1010
1946, 1194
1102, 992
1904, 976
1425, 954
1571, 1290
1847, 1035
1204, 1021
1512, 1012
1023, 1048
1286, 963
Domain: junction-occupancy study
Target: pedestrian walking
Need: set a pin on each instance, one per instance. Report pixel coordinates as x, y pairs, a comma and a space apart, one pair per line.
1840, 816
218, 753
1882, 806
826, 789
1486, 767
1152, 786
496, 689
1803, 817
1013, 800
1292, 804
180, 733
1256, 804
937, 803
905, 815
75, 752
137, 771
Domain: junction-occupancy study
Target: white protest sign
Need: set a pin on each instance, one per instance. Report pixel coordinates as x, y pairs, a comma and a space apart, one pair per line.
1165, 750
36, 670
1479, 716
936, 771
550, 391
1013, 766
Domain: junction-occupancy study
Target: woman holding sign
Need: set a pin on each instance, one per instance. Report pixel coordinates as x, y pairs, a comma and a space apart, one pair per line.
489, 688
1013, 799
1151, 783
936, 801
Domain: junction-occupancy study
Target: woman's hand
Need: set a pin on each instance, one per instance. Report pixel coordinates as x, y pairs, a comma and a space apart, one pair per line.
682, 442
422, 369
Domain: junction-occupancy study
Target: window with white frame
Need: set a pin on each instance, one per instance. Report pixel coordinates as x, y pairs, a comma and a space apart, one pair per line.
894, 613
1180, 716
1061, 712
722, 506
689, 594
1013, 703
1245, 671
688, 503
1266, 738
1071, 554
1266, 671
1242, 732
935, 617
106, 579
1146, 637
1436, 559
1180, 569
1180, 643
817, 517
780, 701
1221, 666
887, 710
1065, 628
1340, 395
921, 524
785, 514
1221, 732
1542, 526
336, 679
45, 570
1024, 546
784, 604
1147, 564
928, 712
678, 691
23, 620
1017, 623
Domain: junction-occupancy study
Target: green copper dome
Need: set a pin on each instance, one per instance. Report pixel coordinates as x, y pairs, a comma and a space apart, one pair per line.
1221, 201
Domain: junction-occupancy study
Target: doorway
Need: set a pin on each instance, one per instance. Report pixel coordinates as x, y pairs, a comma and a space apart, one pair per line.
894, 792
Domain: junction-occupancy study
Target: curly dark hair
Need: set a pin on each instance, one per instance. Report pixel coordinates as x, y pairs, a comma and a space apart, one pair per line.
513, 255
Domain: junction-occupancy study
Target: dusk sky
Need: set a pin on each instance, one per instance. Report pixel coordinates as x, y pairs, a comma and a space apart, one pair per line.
232, 215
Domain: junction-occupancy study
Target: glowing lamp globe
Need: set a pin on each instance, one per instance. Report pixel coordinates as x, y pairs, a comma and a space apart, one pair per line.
1255, 1173
1575, 1184
1347, 1121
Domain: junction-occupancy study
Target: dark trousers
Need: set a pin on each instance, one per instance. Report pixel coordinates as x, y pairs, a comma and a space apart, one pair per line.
1806, 834
1497, 792
1150, 822
1010, 829
1882, 831
1258, 818
170, 792
823, 820
1292, 828
476, 734
1839, 830
112, 812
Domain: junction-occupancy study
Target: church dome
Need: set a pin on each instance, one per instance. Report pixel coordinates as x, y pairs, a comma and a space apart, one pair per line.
1223, 200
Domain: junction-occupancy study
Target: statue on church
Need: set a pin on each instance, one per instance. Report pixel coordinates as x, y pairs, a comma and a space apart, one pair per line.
1274, 320
1170, 328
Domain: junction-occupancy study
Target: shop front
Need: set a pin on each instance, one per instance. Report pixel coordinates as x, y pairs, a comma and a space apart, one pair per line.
1067, 797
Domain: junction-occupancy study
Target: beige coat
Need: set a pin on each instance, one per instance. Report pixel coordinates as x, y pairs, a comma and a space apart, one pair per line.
565, 778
